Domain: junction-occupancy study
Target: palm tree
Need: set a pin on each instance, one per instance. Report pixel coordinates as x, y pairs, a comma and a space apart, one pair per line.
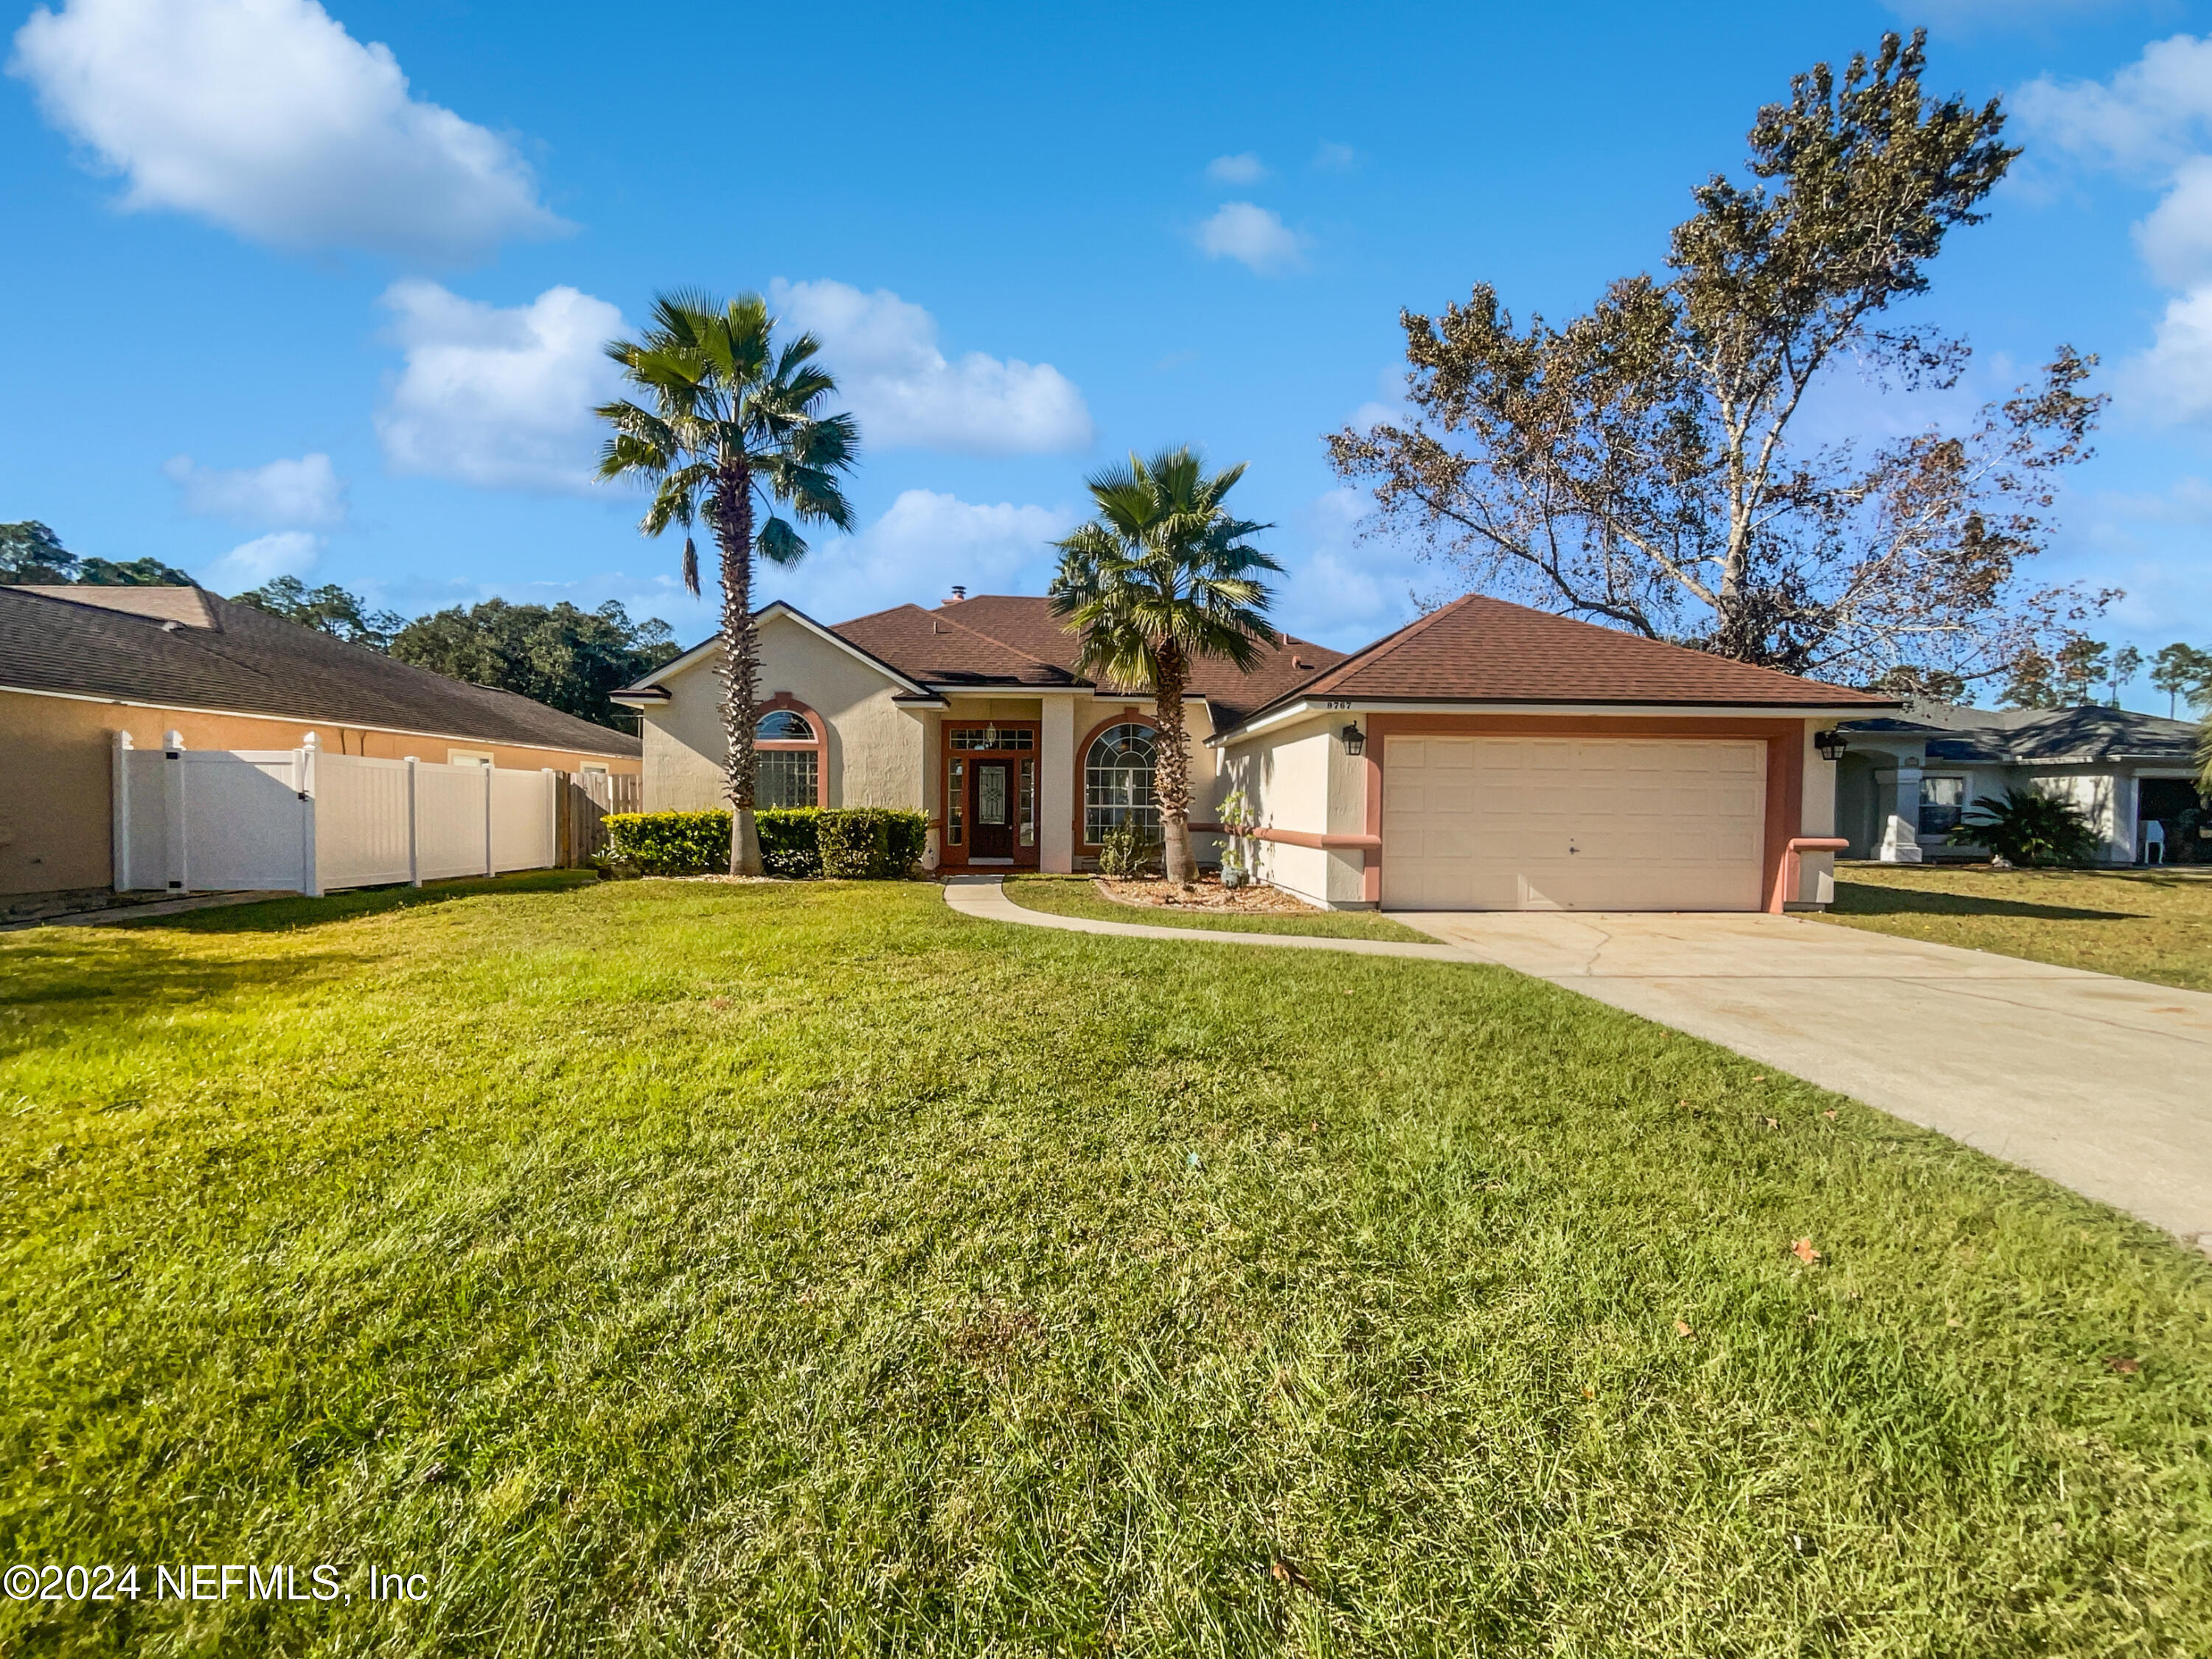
1161, 578
731, 417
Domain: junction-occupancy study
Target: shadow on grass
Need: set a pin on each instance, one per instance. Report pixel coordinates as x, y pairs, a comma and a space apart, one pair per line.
288, 915
46, 969
1861, 899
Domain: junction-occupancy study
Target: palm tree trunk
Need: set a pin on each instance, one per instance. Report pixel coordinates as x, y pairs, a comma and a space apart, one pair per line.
1171, 779
733, 536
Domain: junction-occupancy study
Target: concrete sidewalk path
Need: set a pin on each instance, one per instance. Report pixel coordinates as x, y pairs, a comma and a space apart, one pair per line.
2102, 1084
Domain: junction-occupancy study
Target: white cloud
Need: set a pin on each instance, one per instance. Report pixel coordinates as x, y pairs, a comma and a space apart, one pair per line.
1256, 236
1345, 590
2171, 382
2151, 114
1335, 158
283, 494
498, 397
267, 116
906, 394
926, 542
285, 553
2153, 120
1245, 169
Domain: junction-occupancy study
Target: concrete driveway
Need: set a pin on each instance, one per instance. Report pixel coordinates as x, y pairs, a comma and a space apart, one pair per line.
2102, 1084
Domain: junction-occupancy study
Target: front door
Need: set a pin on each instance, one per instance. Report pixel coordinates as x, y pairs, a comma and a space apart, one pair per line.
994, 811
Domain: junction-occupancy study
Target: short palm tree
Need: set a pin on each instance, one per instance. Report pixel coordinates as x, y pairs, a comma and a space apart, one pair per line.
728, 418
1162, 577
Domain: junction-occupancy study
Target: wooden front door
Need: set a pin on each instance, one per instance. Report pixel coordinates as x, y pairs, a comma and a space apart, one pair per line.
993, 814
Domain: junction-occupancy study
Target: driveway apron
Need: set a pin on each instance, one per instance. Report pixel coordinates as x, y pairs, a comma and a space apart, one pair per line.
2102, 1084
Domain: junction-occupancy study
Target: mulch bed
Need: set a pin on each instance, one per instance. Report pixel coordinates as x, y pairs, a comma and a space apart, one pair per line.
1208, 894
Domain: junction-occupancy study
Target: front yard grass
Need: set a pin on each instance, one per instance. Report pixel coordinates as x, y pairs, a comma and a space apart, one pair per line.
1078, 895
2154, 924
667, 1267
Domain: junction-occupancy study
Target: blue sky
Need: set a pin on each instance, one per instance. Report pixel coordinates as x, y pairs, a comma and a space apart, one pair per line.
321, 291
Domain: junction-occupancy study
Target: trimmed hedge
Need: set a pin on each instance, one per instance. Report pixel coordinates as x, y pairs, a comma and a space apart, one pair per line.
864, 843
669, 843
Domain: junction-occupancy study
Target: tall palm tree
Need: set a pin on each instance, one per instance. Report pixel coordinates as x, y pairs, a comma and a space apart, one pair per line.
1162, 577
731, 418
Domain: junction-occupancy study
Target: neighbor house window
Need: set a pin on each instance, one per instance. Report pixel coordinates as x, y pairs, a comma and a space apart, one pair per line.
787, 755
468, 757
1942, 803
1117, 782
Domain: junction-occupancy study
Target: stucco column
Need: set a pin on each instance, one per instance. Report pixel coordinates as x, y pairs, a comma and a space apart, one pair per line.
1901, 837
1056, 787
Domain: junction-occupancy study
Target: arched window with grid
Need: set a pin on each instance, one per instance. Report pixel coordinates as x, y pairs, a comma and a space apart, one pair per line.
1117, 781
788, 753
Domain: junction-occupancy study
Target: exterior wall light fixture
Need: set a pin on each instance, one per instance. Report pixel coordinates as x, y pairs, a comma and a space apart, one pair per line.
1831, 744
1355, 740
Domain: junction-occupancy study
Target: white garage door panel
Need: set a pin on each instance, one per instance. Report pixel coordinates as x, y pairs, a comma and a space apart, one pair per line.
1573, 824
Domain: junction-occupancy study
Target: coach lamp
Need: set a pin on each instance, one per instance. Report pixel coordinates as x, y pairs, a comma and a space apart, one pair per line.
1355, 740
1831, 744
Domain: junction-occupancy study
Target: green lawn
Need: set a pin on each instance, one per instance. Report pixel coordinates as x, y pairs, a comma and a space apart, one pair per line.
668, 1268
2143, 924
1078, 895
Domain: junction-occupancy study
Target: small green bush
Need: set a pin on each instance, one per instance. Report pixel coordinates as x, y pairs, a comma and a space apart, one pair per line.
670, 844
859, 843
1127, 851
2029, 827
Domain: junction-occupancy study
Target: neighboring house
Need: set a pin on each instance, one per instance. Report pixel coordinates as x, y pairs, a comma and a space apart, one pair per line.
78, 665
1486, 757
1905, 782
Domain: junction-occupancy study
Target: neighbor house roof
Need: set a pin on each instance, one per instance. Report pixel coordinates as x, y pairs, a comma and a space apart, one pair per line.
183, 647
2084, 736
1479, 649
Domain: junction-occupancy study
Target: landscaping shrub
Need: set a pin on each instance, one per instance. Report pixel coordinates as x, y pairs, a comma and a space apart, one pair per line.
859, 843
2029, 827
789, 842
1127, 851
870, 843
670, 844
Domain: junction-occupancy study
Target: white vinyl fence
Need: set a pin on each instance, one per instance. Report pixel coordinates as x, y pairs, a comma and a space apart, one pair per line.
301, 820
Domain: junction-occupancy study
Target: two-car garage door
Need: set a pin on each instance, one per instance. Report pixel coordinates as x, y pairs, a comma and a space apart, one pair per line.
1573, 824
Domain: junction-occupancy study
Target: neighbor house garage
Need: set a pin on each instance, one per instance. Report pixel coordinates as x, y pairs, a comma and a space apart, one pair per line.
1493, 757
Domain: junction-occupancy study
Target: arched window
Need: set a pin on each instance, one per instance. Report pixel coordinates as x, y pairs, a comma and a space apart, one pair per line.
787, 751
1117, 782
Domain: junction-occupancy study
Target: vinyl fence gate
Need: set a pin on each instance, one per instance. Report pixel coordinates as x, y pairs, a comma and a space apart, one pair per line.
303, 821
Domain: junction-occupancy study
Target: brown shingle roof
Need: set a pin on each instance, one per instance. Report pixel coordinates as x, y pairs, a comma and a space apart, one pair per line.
185, 648
1014, 639
1479, 649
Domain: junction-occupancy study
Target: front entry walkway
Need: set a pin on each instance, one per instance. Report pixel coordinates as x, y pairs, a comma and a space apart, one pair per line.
2103, 1084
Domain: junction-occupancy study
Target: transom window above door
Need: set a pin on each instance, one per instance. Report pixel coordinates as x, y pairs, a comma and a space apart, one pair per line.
992, 737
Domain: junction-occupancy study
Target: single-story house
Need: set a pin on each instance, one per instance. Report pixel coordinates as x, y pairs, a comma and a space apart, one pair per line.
78, 665
1486, 757
1906, 781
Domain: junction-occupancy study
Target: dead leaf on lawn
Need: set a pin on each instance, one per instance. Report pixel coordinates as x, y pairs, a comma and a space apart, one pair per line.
1803, 1250
2126, 1364
1681, 1327
718, 1003
1589, 1394
1284, 1573
1773, 1123
1828, 1115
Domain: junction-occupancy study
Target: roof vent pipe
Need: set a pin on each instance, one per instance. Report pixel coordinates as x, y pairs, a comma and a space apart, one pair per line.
959, 594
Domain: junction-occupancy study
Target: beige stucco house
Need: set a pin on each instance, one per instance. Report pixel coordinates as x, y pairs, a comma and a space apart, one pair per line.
80, 665
1486, 757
